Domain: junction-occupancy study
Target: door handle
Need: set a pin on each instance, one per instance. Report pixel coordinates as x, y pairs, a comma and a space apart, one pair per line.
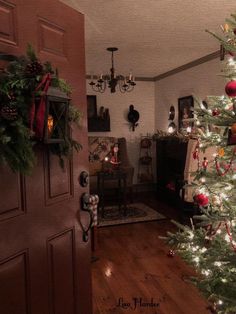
84, 179
89, 204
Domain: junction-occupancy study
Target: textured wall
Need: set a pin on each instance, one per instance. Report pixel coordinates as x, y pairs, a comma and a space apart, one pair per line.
142, 97
202, 80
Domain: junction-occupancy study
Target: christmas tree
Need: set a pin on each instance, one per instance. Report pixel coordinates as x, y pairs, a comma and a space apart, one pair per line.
210, 242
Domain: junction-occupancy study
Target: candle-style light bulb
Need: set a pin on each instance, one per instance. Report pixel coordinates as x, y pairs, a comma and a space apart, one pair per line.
130, 76
50, 124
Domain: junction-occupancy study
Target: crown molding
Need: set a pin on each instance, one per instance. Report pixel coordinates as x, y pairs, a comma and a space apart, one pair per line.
181, 68
144, 79
189, 65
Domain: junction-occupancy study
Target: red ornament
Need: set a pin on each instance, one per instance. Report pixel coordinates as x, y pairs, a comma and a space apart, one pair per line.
231, 53
230, 89
215, 112
201, 199
233, 128
205, 163
195, 154
171, 253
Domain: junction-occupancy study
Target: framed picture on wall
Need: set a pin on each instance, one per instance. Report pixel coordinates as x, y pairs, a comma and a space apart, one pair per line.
98, 120
185, 107
91, 106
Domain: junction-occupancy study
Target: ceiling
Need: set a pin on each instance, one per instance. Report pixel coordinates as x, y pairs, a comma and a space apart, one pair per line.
153, 36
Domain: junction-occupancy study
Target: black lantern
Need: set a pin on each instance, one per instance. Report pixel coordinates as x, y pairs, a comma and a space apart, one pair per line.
56, 126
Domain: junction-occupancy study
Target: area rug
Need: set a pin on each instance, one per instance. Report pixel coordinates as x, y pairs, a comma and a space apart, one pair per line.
136, 212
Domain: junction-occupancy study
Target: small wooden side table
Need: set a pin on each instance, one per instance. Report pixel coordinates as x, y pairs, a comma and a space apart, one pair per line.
119, 177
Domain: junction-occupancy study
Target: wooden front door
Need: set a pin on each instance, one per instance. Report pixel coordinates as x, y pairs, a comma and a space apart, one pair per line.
44, 263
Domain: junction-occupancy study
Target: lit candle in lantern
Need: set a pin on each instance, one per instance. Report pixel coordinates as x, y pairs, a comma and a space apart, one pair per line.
50, 124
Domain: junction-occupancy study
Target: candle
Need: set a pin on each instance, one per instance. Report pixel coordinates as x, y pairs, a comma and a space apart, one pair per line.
50, 124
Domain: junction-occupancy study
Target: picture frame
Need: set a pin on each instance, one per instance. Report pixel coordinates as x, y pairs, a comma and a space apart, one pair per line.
185, 109
91, 106
97, 120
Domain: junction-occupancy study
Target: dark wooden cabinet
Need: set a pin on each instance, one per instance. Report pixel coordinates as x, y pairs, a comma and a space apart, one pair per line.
170, 163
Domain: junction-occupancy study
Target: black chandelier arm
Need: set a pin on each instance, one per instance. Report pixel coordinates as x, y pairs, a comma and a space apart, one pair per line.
126, 84
99, 86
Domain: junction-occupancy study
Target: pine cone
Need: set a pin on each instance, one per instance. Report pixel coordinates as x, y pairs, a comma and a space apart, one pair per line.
34, 68
9, 112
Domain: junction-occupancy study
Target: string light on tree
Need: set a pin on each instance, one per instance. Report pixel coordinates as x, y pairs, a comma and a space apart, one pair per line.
211, 245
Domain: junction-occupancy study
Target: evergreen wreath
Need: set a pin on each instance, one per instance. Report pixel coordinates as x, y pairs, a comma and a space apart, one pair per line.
18, 85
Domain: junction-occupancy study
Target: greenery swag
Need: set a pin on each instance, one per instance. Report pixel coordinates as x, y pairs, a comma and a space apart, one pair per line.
18, 87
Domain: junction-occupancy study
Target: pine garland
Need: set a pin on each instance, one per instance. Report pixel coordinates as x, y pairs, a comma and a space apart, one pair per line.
18, 83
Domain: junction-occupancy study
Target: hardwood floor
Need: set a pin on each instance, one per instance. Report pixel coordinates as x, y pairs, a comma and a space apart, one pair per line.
134, 274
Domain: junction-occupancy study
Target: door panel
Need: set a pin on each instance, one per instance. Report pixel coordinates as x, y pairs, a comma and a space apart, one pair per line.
58, 181
8, 30
61, 253
44, 264
14, 277
13, 202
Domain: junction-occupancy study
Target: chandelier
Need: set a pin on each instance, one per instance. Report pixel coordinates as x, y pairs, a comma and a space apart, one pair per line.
125, 83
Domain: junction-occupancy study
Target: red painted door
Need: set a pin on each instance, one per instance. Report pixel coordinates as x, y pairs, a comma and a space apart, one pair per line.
44, 263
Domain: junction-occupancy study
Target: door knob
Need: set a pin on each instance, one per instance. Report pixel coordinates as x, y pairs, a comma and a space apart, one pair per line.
89, 204
84, 179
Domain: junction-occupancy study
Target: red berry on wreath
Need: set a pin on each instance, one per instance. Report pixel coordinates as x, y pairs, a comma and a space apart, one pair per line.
230, 89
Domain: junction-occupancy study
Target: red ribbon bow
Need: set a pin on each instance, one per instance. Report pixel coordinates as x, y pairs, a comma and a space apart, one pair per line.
39, 117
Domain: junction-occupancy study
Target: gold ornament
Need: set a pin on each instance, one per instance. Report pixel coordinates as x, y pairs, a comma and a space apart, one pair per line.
221, 152
226, 28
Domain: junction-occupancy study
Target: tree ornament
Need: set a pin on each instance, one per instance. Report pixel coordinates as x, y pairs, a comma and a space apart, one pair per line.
205, 163
235, 31
215, 112
226, 28
9, 112
196, 153
171, 253
227, 167
230, 89
201, 199
233, 128
221, 152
